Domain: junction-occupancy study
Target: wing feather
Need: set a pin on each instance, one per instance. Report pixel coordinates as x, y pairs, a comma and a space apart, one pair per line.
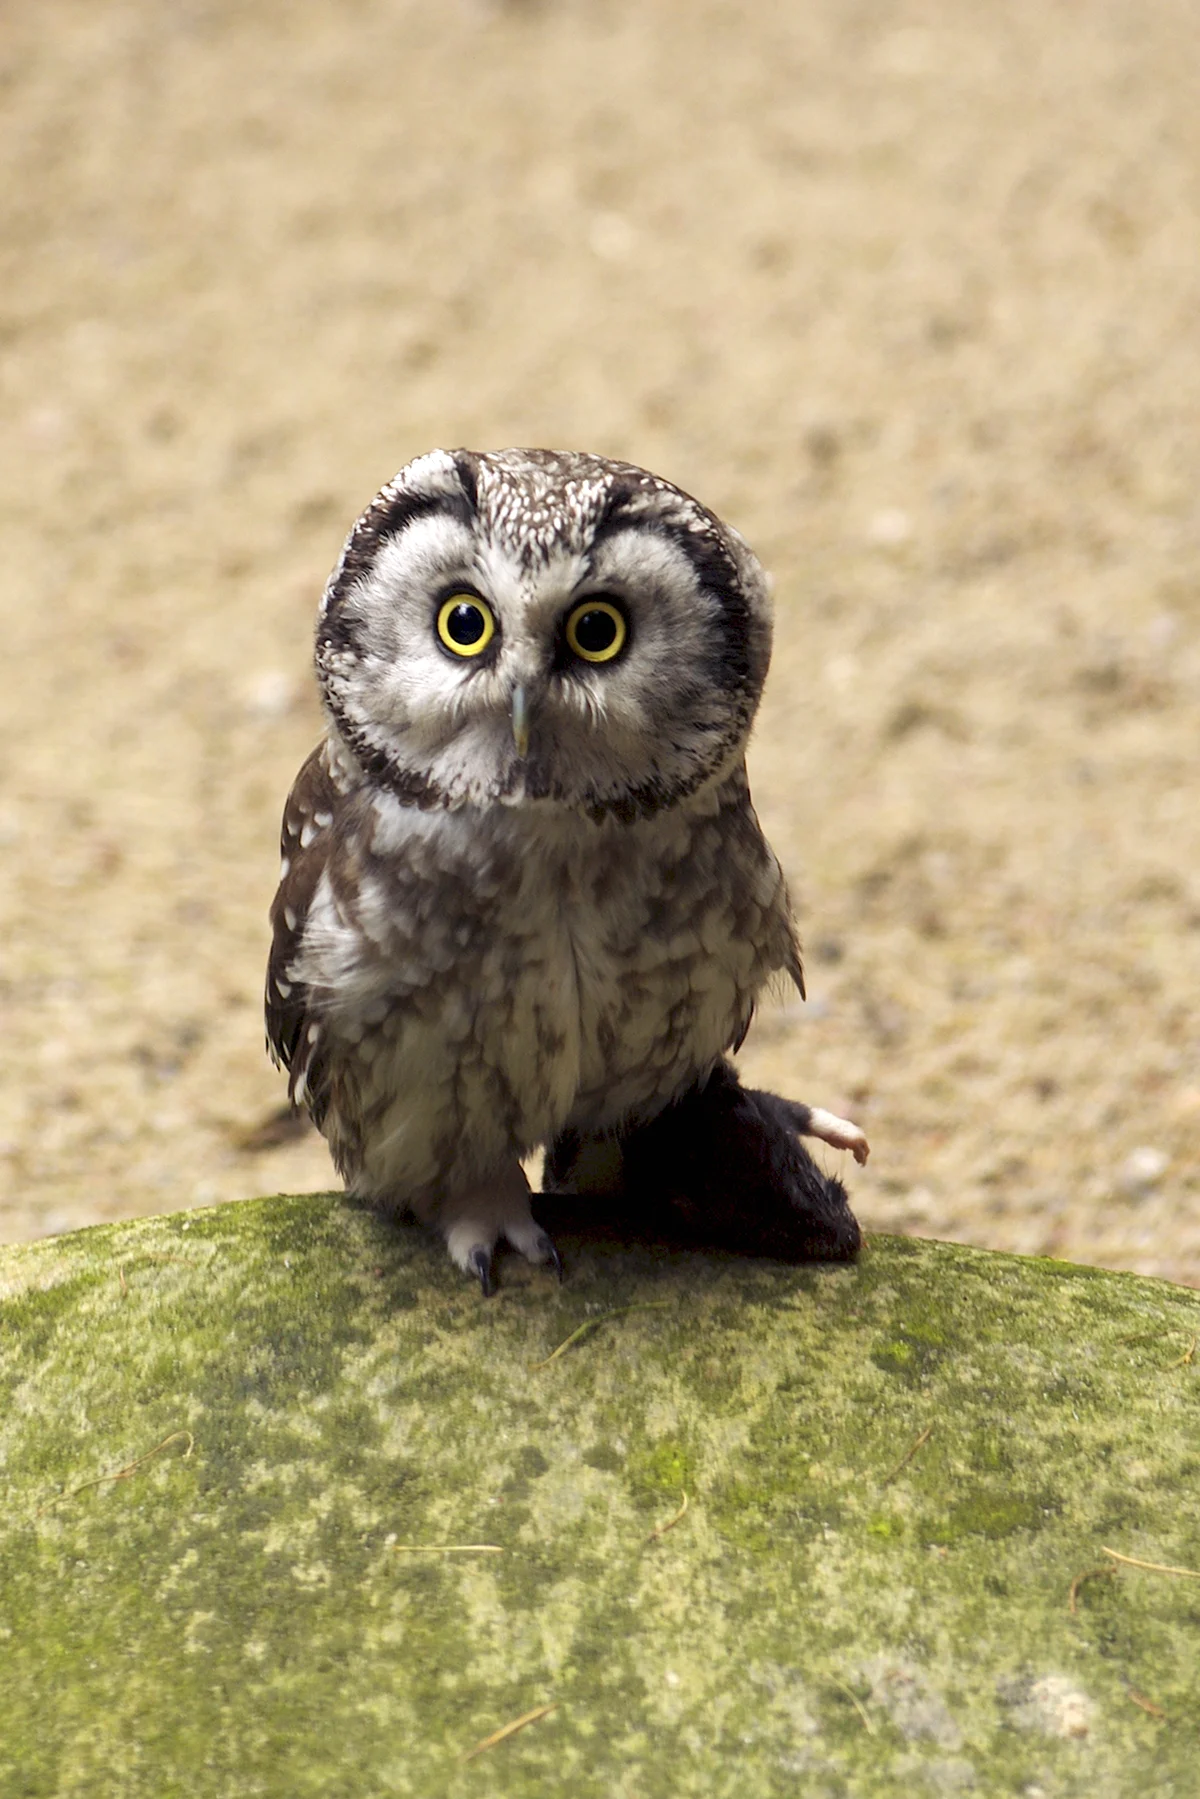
295, 1037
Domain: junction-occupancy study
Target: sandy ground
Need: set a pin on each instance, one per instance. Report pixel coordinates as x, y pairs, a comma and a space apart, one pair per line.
909, 292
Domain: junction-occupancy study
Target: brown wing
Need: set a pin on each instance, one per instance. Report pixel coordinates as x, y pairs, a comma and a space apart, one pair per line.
294, 1037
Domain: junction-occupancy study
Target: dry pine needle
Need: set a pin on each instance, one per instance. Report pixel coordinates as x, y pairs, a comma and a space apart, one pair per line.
510, 1730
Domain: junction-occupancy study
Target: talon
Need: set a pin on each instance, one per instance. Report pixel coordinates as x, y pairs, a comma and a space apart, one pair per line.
549, 1253
480, 1263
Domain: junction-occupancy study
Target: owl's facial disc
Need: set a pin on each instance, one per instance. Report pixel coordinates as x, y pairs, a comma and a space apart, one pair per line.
526, 627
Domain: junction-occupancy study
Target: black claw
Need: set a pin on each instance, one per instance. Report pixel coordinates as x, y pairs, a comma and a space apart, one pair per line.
481, 1264
549, 1249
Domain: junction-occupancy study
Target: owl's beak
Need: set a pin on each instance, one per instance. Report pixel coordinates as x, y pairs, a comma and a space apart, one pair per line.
520, 721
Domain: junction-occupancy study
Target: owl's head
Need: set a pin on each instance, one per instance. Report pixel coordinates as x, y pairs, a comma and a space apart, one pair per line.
529, 626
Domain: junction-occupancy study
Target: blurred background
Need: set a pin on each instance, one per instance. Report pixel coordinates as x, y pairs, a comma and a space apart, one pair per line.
909, 292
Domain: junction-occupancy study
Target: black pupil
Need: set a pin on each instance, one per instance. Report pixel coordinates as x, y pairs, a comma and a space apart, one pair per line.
466, 624
596, 632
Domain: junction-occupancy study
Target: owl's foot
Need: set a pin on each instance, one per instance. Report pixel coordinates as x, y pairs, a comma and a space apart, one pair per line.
475, 1220
723, 1168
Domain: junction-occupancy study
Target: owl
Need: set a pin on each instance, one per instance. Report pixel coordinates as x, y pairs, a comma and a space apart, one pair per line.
524, 898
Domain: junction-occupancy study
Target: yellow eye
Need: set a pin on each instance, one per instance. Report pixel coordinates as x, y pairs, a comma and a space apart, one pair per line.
465, 624
596, 631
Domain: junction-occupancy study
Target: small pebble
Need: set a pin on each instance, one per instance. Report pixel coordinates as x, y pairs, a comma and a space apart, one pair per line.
889, 529
611, 238
1142, 1169
270, 694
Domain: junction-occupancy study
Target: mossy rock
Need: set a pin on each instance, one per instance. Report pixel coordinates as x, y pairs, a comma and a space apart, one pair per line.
237, 1445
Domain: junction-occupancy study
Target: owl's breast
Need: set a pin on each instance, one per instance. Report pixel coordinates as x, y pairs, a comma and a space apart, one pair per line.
484, 981
674, 926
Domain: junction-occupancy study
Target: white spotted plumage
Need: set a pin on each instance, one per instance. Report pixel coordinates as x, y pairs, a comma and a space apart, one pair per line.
482, 939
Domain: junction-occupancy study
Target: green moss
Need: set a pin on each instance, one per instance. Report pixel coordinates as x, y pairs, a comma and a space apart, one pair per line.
272, 1613
990, 1451
885, 1529
662, 1468
992, 1514
913, 1349
604, 1457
